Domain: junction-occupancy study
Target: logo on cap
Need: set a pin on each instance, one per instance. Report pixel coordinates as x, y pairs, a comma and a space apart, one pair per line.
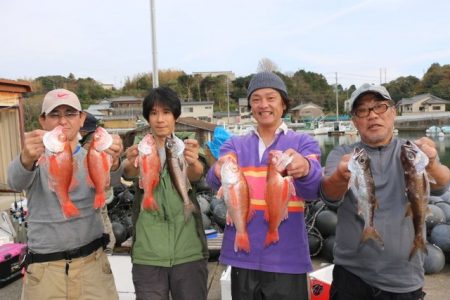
61, 95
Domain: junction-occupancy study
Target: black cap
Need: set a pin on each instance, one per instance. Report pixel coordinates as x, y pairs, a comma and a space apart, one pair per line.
90, 124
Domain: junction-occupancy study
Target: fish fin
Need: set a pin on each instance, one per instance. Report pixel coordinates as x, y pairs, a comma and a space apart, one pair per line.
99, 200
292, 193
251, 212
285, 213
229, 221
241, 242
69, 209
41, 160
149, 202
73, 183
220, 193
372, 233
271, 237
408, 212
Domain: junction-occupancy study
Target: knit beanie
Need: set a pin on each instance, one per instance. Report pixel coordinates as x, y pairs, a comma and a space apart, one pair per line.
265, 80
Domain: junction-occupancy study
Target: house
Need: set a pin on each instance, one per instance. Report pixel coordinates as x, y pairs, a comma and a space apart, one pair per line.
306, 111
202, 110
12, 126
200, 130
424, 103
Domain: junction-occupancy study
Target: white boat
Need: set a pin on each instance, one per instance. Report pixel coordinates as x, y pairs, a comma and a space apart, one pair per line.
433, 130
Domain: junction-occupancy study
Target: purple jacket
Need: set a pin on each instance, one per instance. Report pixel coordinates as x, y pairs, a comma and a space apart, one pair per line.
291, 253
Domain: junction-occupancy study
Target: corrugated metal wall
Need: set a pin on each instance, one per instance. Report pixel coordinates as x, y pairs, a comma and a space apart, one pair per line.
10, 139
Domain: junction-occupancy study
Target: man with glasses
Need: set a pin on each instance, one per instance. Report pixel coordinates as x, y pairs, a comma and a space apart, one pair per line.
65, 258
369, 270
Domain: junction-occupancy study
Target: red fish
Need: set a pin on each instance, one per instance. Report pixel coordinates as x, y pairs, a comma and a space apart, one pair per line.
279, 190
236, 194
58, 158
149, 168
99, 164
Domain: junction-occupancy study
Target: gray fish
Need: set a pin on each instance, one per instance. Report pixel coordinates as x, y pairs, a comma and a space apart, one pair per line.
178, 174
414, 162
363, 187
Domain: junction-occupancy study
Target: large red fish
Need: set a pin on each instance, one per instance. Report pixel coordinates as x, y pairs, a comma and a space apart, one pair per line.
279, 189
58, 158
99, 164
149, 168
235, 192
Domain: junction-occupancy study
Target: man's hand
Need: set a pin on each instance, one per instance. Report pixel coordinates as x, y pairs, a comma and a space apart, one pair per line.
191, 151
115, 151
429, 148
299, 166
33, 148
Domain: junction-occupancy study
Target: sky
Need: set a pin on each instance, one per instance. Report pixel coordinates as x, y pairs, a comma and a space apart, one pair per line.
110, 40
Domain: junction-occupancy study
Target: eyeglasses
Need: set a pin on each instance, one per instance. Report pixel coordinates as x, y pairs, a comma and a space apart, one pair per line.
362, 112
54, 115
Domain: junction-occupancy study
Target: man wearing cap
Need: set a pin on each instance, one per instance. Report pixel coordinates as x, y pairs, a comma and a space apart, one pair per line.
278, 270
369, 269
87, 134
65, 258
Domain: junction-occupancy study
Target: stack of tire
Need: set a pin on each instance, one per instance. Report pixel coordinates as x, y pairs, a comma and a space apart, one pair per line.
322, 219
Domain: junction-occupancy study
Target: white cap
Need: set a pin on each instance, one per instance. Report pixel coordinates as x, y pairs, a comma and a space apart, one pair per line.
59, 97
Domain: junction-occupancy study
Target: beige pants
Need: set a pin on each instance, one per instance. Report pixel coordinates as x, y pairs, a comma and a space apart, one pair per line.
107, 228
87, 277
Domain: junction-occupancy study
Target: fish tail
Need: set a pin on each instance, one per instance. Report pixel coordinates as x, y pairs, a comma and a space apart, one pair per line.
188, 209
271, 237
372, 233
418, 244
69, 209
242, 242
99, 200
149, 203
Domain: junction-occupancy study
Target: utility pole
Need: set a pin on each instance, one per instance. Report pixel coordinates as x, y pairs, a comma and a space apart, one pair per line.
337, 99
154, 50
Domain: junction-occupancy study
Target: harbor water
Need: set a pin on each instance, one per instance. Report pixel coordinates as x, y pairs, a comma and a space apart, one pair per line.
327, 143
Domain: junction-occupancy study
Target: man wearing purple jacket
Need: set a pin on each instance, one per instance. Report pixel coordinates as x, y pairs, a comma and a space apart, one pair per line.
279, 270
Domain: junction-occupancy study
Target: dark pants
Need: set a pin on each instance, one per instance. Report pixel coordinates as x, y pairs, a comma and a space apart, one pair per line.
258, 285
184, 281
347, 286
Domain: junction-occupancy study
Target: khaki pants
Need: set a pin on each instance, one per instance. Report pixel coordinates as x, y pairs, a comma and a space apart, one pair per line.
107, 228
87, 277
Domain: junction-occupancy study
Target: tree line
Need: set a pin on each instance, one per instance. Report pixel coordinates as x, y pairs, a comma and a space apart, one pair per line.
303, 87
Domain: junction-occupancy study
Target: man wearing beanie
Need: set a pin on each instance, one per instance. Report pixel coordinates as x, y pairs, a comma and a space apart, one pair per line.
278, 269
66, 258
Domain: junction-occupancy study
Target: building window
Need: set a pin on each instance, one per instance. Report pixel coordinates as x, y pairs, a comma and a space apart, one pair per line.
188, 109
436, 107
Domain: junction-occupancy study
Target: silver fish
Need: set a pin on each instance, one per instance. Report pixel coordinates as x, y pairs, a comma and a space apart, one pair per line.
417, 186
178, 174
363, 187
